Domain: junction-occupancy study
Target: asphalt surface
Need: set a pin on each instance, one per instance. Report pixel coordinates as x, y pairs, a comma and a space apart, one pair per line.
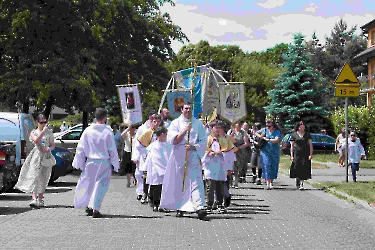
283, 218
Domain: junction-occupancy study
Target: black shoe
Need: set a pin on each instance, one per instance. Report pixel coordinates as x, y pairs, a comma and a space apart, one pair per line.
89, 211
97, 214
201, 214
155, 209
139, 197
227, 201
253, 179
179, 213
259, 182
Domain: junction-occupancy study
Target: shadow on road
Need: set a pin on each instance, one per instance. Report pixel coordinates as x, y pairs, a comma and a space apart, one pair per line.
57, 190
63, 184
10, 197
121, 216
13, 210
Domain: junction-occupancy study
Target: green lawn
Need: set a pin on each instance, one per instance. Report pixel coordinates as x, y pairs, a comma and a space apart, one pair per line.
334, 157
285, 163
364, 190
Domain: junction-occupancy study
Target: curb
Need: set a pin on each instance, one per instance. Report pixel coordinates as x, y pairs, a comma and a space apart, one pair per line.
364, 204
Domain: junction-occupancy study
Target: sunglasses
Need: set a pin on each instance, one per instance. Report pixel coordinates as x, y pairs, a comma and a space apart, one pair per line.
43, 122
352, 135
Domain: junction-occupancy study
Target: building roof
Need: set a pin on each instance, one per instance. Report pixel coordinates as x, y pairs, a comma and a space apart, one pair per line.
366, 54
365, 28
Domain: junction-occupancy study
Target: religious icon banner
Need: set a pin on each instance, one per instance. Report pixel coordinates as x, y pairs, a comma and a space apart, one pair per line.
185, 77
130, 104
210, 89
175, 100
232, 102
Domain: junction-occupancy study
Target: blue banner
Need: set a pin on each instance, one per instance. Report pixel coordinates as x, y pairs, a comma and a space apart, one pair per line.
175, 100
184, 79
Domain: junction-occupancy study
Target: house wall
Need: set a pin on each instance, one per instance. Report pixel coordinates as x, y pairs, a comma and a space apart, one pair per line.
371, 37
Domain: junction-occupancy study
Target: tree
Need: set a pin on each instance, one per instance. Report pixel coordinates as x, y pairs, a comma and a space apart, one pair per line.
296, 89
328, 58
76, 57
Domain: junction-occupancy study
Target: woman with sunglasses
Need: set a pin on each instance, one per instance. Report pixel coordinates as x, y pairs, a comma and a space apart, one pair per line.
301, 150
34, 176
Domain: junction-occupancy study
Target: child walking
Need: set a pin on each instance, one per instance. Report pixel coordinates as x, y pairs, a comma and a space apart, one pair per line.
156, 163
355, 153
219, 155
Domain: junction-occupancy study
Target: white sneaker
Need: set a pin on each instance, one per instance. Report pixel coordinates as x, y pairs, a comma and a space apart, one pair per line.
40, 203
34, 203
301, 186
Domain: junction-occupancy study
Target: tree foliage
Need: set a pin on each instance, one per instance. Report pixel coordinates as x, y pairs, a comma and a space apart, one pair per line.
328, 58
73, 53
294, 96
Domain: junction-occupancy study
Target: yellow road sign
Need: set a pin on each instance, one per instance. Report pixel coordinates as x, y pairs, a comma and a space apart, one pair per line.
346, 77
346, 91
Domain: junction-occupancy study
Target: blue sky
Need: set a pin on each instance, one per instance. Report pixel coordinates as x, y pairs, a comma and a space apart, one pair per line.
256, 25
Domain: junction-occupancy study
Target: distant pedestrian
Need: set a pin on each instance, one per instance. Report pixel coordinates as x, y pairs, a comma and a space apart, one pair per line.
270, 153
301, 151
256, 167
355, 153
127, 165
340, 141
34, 175
63, 127
241, 142
95, 155
119, 141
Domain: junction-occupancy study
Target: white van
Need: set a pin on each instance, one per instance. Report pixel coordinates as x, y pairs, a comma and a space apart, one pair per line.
16, 128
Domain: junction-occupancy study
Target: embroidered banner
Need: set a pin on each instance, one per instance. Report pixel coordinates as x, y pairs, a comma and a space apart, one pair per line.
176, 99
130, 104
184, 78
211, 94
232, 102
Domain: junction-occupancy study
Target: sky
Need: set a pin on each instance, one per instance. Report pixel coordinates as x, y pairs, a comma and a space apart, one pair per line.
256, 25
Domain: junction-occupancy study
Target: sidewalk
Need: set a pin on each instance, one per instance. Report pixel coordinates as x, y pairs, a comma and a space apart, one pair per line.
283, 218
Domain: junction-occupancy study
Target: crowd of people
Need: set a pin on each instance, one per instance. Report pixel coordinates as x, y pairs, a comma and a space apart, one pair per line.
183, 165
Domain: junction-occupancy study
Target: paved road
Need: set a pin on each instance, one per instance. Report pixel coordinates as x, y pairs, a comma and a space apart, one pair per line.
283, 218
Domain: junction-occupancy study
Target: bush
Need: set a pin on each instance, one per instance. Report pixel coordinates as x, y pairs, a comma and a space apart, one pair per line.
359, 119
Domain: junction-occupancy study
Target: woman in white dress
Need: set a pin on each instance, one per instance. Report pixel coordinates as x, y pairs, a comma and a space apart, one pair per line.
34, 176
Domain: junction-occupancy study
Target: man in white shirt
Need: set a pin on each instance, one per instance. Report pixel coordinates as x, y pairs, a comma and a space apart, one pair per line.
95, 155
63, 127
165, 117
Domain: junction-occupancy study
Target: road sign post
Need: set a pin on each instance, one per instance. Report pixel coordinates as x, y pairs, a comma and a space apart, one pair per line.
346, 85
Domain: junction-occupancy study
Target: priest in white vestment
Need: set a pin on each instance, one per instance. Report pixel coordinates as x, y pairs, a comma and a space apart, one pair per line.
95, 155
192, 198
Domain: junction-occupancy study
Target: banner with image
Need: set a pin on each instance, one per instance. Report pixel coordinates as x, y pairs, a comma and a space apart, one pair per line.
130, 104
185, 77
232, 102
176, 99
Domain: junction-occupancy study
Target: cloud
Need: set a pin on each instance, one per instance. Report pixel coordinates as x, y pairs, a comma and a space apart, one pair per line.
256, 31
270, 4
311, 8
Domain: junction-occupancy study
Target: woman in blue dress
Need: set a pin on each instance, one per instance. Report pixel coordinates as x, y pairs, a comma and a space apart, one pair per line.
270, 153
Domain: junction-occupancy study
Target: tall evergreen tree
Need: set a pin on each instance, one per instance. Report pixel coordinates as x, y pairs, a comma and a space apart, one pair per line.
296, 90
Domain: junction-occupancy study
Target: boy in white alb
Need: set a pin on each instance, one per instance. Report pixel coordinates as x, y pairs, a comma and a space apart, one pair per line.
216, 161
156, 163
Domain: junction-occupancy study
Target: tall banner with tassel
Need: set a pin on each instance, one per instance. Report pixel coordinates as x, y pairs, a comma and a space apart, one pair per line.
232, 102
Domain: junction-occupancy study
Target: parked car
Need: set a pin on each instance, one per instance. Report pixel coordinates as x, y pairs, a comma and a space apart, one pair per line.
70, 138
8, 169
321, 144
64, 159
77, 127
16, 128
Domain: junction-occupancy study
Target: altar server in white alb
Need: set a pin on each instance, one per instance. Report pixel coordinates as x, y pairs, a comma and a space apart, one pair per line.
141, 144
216, 162
192, 198
96, 154
156, 163
136, 154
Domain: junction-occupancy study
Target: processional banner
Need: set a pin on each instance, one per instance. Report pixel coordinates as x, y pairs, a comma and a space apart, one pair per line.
130, 104
210, 88
176, 99
185, 77
232, 102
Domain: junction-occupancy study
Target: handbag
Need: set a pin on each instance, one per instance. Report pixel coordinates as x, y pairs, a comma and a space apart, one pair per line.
261, 143
48, 160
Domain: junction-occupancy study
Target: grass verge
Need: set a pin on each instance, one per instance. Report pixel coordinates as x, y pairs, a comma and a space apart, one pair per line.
285, 163
363, 190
